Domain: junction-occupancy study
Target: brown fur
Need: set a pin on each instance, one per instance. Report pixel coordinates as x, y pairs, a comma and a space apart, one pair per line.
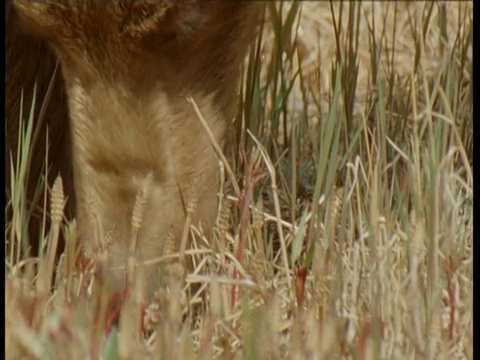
128, 68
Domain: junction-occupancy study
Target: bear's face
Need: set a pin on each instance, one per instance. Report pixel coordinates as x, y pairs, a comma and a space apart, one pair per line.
128, 68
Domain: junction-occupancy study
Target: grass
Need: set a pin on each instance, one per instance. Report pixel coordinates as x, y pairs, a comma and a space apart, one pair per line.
345, 225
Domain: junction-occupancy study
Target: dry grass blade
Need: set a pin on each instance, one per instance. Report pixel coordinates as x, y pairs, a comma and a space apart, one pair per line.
216, 146
273, 177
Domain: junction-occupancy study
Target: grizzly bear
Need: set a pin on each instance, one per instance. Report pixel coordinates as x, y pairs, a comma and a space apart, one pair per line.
119, 123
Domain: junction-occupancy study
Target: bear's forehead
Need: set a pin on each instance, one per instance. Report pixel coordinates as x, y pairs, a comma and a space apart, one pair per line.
57, 21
